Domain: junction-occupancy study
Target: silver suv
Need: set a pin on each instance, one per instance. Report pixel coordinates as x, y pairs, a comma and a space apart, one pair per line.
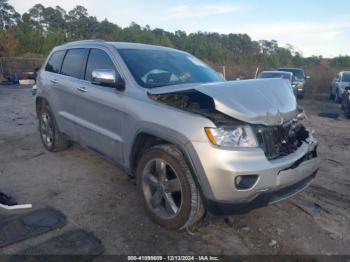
194, 142
300, 80
339, 84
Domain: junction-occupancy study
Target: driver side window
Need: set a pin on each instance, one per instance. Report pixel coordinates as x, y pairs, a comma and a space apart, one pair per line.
98, 59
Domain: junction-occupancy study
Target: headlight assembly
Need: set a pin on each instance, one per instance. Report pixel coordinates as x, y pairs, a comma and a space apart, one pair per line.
232, 137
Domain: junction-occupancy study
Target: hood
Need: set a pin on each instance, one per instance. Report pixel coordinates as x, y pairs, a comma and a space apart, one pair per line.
260, 101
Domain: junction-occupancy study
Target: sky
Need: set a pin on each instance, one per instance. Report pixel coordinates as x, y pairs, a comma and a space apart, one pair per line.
314, 27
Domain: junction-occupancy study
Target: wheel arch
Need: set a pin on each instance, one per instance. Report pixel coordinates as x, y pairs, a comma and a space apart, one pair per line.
141, 143
145, 139
40, 102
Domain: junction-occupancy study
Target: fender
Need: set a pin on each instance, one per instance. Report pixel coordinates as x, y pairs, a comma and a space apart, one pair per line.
184, 146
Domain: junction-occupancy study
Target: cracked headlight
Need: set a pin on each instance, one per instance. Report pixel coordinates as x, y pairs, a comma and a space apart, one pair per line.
239, 136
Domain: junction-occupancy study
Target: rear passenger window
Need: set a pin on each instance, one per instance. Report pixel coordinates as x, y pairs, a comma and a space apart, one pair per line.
98, 59
73, 62
55, 62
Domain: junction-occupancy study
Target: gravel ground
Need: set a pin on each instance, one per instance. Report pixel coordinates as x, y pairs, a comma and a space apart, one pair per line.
97, 196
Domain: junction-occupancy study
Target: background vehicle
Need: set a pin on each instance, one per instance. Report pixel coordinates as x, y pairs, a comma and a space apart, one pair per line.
339, 83
346, 101
194, 142
300, 79
279, 74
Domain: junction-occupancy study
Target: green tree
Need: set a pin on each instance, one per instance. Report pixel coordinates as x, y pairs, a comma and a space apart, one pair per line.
8, 15
340, 61
80, 25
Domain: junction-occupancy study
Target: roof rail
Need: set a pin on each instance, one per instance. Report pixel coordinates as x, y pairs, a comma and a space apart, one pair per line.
85, 41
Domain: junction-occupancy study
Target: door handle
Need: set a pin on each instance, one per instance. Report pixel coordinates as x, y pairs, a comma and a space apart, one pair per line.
81, 89
54, 81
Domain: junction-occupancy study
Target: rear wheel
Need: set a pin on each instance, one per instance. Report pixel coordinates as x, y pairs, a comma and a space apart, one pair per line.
50, 136
169, 193
346, 107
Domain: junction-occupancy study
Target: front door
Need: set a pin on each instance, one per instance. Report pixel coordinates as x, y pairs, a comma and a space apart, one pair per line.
100, 110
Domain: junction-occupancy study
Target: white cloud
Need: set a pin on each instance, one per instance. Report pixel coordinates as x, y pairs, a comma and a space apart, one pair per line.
23, 6
324, 30
328, 38
195, 11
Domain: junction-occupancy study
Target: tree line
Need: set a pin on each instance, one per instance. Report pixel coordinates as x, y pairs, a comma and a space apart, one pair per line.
36, 32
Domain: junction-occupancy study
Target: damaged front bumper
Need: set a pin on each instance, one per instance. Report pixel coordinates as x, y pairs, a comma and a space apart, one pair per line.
276, 179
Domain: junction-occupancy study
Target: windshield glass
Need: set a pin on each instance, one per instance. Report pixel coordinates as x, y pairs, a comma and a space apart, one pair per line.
346, 77
274, 75
298, 73
156, 68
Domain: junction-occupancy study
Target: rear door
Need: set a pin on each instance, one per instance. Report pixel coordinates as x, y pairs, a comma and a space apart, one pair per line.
65, 90
100, 110
60, 97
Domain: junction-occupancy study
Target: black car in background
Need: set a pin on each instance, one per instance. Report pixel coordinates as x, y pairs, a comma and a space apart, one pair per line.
300, 79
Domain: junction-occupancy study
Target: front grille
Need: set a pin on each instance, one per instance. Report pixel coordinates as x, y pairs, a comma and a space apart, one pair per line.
279, 141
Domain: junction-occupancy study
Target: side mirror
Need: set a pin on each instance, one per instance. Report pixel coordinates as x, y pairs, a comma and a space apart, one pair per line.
107, 77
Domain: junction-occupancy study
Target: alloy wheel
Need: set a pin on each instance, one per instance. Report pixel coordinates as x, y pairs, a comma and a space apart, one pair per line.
46, 129
162, 188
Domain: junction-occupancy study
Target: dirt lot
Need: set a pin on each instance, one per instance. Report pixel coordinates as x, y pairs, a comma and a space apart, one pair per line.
97, 196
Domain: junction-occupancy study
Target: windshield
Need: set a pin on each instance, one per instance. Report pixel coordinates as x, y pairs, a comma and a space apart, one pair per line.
298, 73
156, 68
346, 77
274, 75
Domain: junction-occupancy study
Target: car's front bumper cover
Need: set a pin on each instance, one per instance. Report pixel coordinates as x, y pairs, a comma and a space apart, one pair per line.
264, 199
288, 175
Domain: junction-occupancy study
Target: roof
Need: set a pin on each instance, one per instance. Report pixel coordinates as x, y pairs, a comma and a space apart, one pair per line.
290, 68
127, 45
119, 45
277, 72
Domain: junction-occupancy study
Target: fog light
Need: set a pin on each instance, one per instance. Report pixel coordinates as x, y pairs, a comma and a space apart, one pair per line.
246, 181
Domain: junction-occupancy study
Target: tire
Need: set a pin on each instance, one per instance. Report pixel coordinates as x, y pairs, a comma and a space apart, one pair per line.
346, 108
50, 136
347, 112
188, 200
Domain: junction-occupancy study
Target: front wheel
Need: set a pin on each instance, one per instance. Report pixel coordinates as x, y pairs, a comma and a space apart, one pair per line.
169, 193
